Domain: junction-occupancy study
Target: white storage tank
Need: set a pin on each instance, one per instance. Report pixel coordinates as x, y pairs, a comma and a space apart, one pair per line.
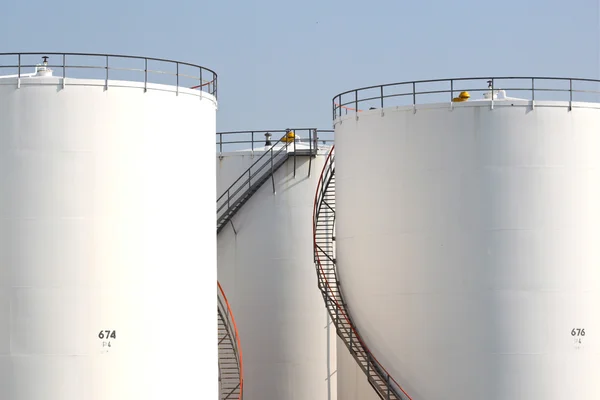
266, 267
107, 244
467, 239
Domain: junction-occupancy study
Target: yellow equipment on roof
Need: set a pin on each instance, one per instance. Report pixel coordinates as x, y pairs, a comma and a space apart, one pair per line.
288, 137
463, 96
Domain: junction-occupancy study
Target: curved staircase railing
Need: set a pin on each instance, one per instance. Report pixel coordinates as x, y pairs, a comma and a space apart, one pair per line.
324, 251
231, 369
248, 183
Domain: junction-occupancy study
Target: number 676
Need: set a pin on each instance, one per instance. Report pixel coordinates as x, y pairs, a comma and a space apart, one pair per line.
578, 332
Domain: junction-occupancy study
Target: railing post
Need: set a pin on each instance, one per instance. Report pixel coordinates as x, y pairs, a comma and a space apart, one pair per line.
334, 109
145, 74
252, 141
220, 143
177, 78
106, 75
294, 154
19, 71
312, 133
272, 170
381, 96
64, 66
387, 381
451, 90
492, 98
356, 102
414, 96
570, 94
202, 84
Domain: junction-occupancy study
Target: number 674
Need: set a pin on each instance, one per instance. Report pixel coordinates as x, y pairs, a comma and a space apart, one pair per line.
107, 335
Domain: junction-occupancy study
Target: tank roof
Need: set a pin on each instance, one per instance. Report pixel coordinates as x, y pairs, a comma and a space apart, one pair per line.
110, 67
466, 90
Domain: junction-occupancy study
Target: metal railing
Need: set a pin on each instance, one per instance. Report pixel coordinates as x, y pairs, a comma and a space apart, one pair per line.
256, 140
273, 156
445, 90
232, 387
329, 285
111, 67
239, 191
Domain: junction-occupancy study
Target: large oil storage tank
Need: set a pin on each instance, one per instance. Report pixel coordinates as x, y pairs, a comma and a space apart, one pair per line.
265, 262
107, 244
467, 235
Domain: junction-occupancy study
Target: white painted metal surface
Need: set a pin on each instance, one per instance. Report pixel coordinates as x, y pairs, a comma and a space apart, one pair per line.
267, 271
468, 247
107, 245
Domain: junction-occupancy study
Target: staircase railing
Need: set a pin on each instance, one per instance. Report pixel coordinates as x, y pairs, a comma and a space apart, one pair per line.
264, 167
324, 251
231, 367
260, 171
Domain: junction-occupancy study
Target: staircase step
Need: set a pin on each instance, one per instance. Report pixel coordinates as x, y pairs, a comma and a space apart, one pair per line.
228, 360
330, 286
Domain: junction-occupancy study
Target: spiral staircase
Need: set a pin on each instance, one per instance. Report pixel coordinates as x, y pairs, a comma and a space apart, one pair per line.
324, 251
231, 370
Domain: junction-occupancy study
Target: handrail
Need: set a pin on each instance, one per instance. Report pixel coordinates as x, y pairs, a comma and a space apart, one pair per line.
237, 343
204, 78
347, 108
247, 175
255, 139
263, 167
377, 95
326, 174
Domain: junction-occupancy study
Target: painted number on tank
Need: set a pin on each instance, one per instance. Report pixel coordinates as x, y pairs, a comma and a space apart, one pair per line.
107, 335
577, 334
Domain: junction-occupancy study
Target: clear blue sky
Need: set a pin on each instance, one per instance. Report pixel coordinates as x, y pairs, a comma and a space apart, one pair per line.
280, 62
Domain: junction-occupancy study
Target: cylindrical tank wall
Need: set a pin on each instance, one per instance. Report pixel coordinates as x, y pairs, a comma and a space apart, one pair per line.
467, 247
267, 270
107, 244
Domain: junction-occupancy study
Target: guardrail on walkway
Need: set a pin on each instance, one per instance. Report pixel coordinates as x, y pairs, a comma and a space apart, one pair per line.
257, 141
